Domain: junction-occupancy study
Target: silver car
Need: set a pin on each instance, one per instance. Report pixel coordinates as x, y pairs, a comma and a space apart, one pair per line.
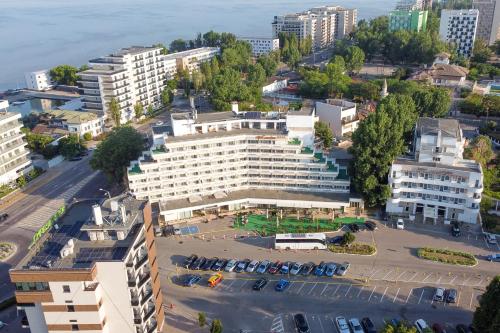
231, 265
356, 325
342, 326
252, 266
296, 268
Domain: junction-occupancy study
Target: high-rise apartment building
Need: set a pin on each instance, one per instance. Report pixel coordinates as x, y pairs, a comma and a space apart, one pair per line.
224, 161
435, 182
410, 20
411, 5
459, 27
96, 272
14, 161
488, 28
323, 24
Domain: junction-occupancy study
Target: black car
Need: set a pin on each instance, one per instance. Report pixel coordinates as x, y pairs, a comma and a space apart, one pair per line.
370, 225
336, 240
76, 158
307, 268
189, 260
455, 230
368, 325
219, 265
260, 283
4, 216
198, 263
354, 227
241, 265
451, 296
209, 264
301, 323
461, 328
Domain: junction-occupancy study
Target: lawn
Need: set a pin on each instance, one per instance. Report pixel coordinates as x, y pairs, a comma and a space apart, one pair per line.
447, 256
265, 227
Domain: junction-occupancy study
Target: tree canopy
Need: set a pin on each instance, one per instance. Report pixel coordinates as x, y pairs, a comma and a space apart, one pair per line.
70, 146
64, 75
324, 133
487, 315
113, 155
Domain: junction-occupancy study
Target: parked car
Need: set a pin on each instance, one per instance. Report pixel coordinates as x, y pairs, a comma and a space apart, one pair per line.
461, 328
75, 158
451, 295
330, 269
285, 268
260, 283
342, 326
189, 260
301, 323
370, 225
282, 285
355, 325
231, 265
354, 227
296, 268
219, 265
490, 238
252, 266
336, 240
264, 265
438, 328
307, 268
494, 257
342, 269
400, 224
439, 294
209, 264
242, 265
198, 263
215, 279
455, 230
320, 269
191, 280
368, 325
275, 267
421, 325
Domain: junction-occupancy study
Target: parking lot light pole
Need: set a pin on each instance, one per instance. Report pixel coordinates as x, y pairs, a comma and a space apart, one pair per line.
107, 192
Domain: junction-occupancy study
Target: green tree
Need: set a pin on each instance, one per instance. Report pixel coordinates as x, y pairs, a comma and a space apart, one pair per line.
211, 39
216, 326
480, 150
338, 81
115, 112
197, 78
21, 181
364, 91
432, 101
324, 133
348, 238
256, 75
481, 51
178, 45
114, 154
138, 110
36, 142
70, 146
306, 46
164, 49
166, 96
150, 110
87, 136
487, 315
228, 87
269, 63
354, 59
202, 319
64, 75
402, 327
314, 84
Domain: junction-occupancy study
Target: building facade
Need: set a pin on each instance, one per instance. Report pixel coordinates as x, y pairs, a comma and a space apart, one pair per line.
459, 27
340, 115
38, 80
229, 160
14, 160
96, 273
323, 24
191, 59
435, 182
262, 45
410, 20
411, 5
489, 20
76, 122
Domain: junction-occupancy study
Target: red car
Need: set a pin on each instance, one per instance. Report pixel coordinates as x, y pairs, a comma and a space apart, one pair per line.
438, 328
275, 267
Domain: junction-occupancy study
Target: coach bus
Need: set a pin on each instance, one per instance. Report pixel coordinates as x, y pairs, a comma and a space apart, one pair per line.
312, 241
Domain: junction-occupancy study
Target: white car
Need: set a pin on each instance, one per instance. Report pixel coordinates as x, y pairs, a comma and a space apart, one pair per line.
421, 325
342, 326
400, 224
252, 266
355, 325
490, 238
231, 265
296, 268
439, 294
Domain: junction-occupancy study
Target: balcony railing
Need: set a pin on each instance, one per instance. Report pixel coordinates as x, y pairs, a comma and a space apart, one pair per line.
146, 297
143, 279
141, 261
152, 328
134, 301
149, 313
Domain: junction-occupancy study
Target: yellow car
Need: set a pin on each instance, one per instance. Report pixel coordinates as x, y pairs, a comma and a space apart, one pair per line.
214, 280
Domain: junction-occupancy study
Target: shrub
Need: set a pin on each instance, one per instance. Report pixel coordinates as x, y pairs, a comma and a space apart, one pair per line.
447, 256
87, 136
356, 248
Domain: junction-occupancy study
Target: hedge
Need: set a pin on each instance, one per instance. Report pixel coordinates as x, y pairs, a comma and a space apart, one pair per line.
447, 256
355, 248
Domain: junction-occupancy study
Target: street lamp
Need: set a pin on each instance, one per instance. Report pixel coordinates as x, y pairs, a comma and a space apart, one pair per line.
107, 192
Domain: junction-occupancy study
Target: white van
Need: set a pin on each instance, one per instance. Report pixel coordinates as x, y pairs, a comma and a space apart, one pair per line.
400, 224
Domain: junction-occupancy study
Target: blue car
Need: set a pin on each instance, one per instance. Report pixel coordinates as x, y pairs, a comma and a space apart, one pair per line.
191, 280
282, 285
320, 270
330, 270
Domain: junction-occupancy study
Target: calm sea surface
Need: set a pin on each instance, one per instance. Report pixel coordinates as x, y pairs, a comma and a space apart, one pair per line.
38, 34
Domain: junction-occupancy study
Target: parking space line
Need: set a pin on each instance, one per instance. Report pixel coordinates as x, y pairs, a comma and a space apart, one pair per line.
439, 280
465, 282
347, 292
412, 277
326, 286
302, 286
451, 282
480, 281
360, 290
382, 298
396, 296
310, 291
244, 283
336, 290
397, 278
422, 294
233, 281
372, 293
428, 276
376, 271
407, 298
387, 274
471, 299
321, 324
458, 298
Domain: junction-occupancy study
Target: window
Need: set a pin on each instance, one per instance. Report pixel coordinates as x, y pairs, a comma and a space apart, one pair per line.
66, 289
74, 327
71, 308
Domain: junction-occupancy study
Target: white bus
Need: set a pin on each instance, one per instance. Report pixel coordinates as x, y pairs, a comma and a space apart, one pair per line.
313, 241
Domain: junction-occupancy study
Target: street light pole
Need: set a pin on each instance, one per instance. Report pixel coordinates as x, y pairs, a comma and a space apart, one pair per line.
107, 192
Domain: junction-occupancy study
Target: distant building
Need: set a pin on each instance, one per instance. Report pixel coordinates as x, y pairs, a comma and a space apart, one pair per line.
38, 80
408, 5
323, 24
76, 122
262, 45
340, 115
489, 20
435, 182
96, 272
459, 28
191, 59
442, 75
442, 58
274, 84
410, 20
14, 161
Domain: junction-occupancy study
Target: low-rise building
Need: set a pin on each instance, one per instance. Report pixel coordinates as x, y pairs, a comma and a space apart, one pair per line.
14, 161
274, 84
191, 59
95, 272
225, 161
39, 80
443, 75
459, 27
410, 20
262, 45
340, 115
76, 122
435, 182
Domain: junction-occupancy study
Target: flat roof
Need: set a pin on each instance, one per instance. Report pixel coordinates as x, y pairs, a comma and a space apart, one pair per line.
95, 71
220, 134
450, 127
258, 194
464, 166
73, 117
192, 52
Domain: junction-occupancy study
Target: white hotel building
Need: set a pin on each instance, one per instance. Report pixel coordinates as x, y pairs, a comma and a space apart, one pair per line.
262, 45
225, 161
188, 60
340, 115
436, 183
459, 27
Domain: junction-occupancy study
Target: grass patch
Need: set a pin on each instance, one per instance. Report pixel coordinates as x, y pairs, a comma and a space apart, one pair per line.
355, 248
447, 256
6, 249
5, 189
